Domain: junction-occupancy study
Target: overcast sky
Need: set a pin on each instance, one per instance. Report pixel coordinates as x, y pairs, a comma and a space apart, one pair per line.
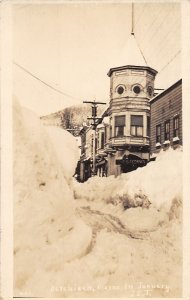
72, 47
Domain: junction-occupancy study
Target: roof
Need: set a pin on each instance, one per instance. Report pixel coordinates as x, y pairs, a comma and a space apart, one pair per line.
170, 88
154, 72
131, 54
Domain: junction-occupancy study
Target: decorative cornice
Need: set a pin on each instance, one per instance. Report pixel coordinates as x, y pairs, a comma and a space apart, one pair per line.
151, 70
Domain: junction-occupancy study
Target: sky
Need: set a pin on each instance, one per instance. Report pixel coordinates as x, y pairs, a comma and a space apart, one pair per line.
72, 46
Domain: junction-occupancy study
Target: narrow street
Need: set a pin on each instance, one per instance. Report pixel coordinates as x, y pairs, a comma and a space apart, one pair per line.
118, 236
97, 149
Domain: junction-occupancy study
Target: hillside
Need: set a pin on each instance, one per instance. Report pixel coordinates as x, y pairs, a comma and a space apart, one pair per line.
71, 117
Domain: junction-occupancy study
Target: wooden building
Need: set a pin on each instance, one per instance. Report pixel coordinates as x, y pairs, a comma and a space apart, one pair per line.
166, 118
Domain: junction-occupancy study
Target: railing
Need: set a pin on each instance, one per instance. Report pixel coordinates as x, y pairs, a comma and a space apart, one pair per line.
133, 140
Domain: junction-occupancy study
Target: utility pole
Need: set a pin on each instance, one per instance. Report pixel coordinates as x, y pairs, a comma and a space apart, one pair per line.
94, 117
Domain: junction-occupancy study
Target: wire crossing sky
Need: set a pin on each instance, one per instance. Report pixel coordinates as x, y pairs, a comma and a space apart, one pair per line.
71, 48
45, 83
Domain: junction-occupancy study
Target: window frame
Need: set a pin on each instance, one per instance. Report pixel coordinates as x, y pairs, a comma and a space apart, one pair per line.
110, 129
136, 127
158, 136
148, 126
119, 127
176, 129
167, 131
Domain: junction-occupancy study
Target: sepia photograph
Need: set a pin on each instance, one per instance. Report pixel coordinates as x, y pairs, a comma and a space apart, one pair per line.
97, 149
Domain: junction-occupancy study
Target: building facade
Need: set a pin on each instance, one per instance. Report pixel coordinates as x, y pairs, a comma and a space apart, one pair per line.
131, 88
84, 166
166, 118
123, 145
102, 134
137, 123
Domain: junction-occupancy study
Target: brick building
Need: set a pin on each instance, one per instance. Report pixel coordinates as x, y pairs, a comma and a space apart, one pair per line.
166, 118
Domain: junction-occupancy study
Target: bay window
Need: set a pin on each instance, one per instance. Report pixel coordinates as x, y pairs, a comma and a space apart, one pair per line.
119, 126
136, 125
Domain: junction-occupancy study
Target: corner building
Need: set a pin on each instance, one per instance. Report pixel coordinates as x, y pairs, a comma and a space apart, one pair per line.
131, 88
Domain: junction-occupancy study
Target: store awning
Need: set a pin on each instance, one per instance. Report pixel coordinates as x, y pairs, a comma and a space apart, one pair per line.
131, 160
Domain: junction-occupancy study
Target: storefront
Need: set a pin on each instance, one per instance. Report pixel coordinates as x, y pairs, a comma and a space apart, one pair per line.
130, 163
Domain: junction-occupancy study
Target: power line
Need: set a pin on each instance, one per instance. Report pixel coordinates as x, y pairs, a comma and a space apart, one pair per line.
151, 25
42, 81
166, 37
170, 61
141, 14
154, 33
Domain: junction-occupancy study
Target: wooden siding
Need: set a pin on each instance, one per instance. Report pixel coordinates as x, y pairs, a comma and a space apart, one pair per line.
165, 108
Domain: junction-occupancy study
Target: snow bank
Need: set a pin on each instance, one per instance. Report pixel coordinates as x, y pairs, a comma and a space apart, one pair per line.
65, 148
118, 265
158, 186
46, 230
159, 183
92, 246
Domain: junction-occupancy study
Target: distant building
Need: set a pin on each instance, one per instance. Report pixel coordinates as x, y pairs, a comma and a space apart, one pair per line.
102, 140
166, 118
84, 167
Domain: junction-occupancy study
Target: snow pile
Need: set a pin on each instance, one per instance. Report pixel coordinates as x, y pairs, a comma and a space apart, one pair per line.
146, 251
158, 184
158, 187
46, 230
92, 246
65, 148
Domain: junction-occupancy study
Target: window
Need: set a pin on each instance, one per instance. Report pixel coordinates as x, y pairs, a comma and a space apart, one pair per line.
148, 126
137, 125
150, 91
120, 90
96, 144
158, 134
102, 140
167, 130
136, 89
105, 137
176, 127
110, 131
119, 126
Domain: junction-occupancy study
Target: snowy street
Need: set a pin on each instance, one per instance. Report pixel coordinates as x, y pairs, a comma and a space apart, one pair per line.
76, 239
